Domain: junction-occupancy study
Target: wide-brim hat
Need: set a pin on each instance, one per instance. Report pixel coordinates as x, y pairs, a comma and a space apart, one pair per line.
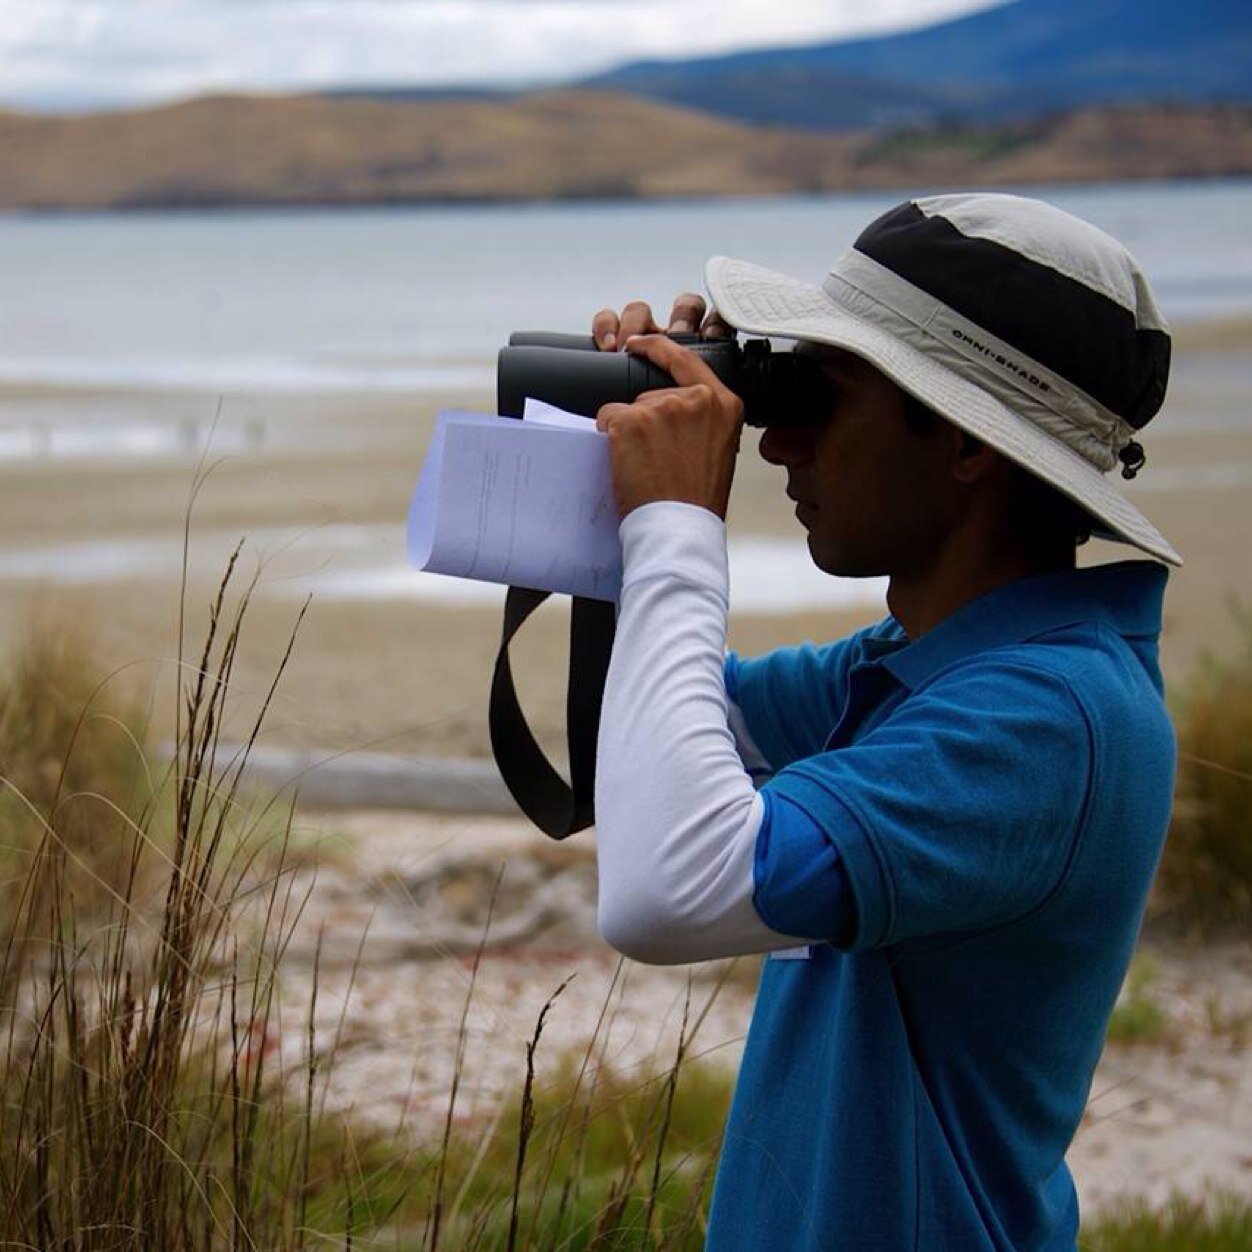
1025, 326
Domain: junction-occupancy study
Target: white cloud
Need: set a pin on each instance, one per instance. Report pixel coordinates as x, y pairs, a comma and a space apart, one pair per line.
82, 52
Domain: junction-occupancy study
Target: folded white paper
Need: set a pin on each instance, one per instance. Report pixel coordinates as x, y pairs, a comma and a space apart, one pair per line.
527, 503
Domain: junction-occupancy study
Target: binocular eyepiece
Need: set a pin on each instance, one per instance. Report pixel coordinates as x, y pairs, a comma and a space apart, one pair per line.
777, 388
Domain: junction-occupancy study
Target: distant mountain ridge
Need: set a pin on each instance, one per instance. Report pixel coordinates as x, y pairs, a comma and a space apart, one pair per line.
1024, 58
311, 150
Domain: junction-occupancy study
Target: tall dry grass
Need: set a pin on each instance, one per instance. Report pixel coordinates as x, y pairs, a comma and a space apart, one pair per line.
147, 916
69, 763
131, 1114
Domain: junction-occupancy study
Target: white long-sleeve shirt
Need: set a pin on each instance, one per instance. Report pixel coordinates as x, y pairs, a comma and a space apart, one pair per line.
677, 813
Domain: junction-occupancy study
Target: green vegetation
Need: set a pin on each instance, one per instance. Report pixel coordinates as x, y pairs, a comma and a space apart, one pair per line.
1205, 879
603, 1162
1221, 1225
975, 144
70, 770
1138, 1018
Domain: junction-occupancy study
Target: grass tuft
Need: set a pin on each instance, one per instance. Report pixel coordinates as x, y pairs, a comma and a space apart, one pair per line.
1205, 879
1138, 1017
1223, 1224
71, 775
134, 1069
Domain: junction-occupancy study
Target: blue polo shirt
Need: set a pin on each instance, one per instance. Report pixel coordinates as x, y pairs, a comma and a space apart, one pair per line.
967, 827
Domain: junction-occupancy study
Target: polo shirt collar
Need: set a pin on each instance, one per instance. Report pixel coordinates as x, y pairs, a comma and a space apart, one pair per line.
1126, 596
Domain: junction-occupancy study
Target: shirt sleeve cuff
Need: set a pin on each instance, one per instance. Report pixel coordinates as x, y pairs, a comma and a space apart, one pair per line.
800, 884
870, 895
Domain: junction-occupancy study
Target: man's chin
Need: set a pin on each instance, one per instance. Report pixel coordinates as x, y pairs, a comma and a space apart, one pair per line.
842, 564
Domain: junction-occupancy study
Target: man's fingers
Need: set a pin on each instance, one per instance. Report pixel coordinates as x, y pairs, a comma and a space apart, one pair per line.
610, 332
605, 329
607, 414
687, 313
637, 319
643, 404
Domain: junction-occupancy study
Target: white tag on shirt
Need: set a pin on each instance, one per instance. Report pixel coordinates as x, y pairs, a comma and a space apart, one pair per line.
793, 954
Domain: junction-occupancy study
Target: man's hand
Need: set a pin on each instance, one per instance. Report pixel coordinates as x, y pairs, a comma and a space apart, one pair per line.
678, 443
687, 316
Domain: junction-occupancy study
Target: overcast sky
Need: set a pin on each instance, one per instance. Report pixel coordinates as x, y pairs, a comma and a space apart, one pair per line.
82, 53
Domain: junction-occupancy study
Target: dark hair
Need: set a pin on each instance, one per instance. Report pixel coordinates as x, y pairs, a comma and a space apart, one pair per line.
1039, 513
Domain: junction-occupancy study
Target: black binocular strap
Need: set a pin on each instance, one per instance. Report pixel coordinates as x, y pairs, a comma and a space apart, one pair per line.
556, 807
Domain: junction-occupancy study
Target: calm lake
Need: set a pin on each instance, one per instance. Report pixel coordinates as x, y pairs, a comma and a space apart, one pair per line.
418, 299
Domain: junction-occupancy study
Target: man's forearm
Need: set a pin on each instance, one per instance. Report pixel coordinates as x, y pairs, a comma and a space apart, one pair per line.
677, 814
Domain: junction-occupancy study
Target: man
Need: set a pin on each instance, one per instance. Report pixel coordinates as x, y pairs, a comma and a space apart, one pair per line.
958, 811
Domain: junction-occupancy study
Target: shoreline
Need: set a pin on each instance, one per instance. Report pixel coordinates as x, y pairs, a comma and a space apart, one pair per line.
438, 202
411, 678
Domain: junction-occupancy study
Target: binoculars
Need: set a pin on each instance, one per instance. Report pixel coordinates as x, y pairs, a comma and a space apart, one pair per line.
778, 388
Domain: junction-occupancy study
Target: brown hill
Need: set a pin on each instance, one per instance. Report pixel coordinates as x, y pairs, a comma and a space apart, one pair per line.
257, 150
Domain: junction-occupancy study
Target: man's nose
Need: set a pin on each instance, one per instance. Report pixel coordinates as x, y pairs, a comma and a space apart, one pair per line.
786, 445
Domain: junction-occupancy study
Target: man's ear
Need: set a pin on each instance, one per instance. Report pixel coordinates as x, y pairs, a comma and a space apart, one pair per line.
972, 460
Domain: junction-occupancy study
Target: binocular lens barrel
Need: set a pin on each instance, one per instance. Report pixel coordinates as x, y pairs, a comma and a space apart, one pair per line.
578, 382
551, 339
569, 372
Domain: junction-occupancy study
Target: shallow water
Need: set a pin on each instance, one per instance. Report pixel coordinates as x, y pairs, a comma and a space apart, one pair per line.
411, 299
360, 563
70, 437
